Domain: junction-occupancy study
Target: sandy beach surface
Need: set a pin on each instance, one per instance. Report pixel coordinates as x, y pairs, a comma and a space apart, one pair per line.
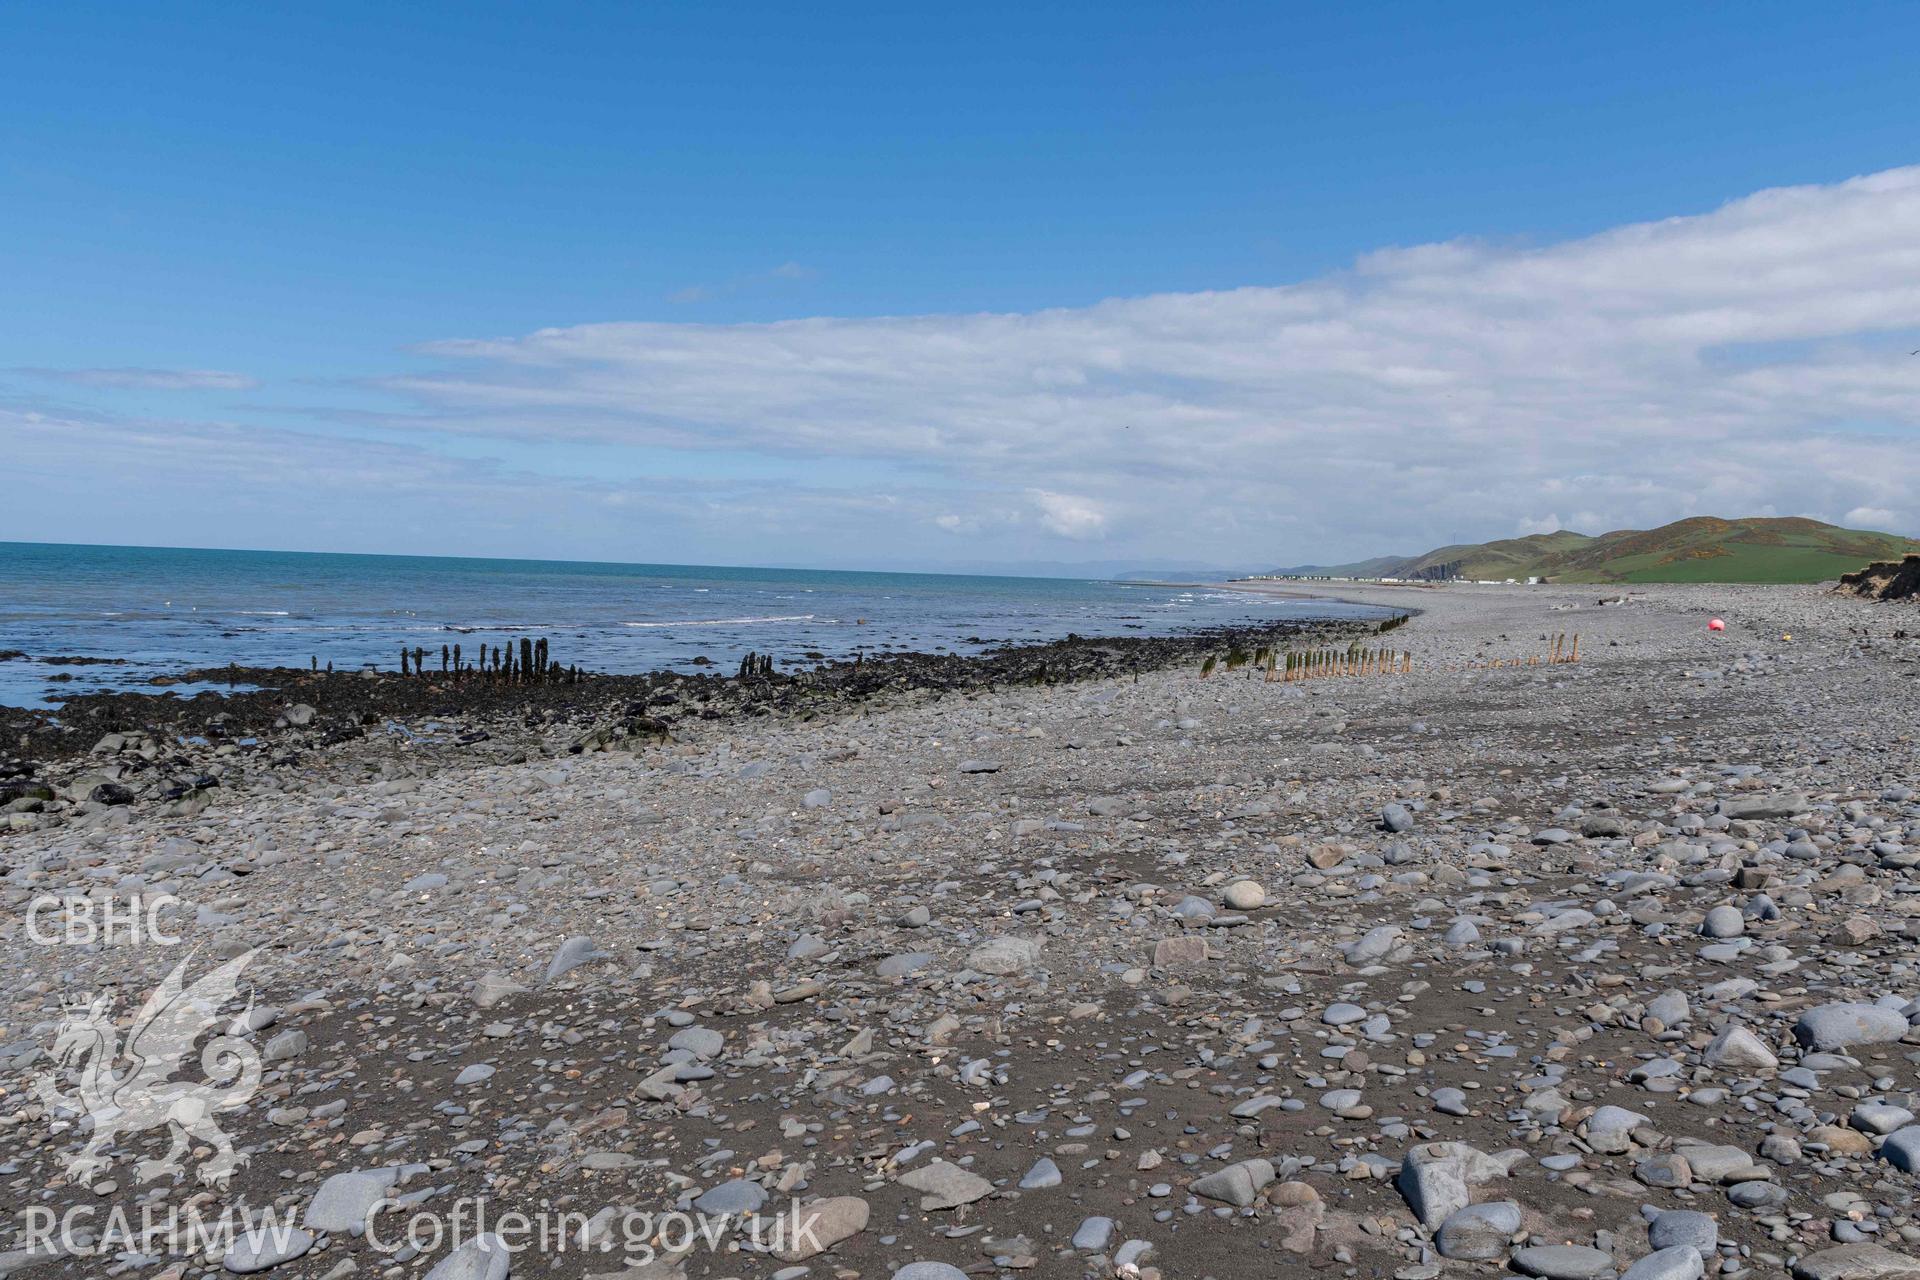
1575, 970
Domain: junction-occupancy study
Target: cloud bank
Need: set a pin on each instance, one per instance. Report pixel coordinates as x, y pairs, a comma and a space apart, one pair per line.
1747, 360
1750, 360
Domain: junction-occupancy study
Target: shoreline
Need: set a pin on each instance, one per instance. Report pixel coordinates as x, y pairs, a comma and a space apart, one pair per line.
177, 752
1261, 589
175, 610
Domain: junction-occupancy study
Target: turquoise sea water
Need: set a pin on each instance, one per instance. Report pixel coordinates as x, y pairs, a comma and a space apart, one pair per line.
168, 609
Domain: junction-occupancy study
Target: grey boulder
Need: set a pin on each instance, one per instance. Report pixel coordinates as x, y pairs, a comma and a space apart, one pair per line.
1856, 1262
1004, 956
929, 1271
1434, 1183
1674, 1228
1836, 1026
1901, 1149
1237, 1184
1610, 1129
1678, 1263
1777, 806
1739, 1047
481, 1258
1479, 1232
265, 1247
818, 1225
945, 1186
736, 1195
573, 953
343, 1201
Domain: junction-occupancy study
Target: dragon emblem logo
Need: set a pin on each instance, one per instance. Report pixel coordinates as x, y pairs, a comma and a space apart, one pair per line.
142, 1094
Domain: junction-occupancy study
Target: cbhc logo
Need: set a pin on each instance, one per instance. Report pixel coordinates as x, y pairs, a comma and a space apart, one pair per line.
112, 921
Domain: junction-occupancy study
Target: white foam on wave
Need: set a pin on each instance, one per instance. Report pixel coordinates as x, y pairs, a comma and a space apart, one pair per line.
723, 622
470, 627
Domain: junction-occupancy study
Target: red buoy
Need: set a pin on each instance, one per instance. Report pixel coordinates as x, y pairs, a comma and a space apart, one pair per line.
1716, 625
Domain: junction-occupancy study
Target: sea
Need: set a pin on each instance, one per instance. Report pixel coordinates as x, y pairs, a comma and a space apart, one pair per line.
160, 611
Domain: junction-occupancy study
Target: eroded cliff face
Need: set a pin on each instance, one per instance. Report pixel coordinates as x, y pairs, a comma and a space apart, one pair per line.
1885, 580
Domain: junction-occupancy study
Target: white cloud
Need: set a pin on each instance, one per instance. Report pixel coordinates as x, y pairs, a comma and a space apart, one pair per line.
193, 483
148, 379
1068, 516
1872, 518
788, 272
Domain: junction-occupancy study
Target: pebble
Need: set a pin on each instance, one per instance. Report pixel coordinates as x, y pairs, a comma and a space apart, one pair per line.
1563, 1262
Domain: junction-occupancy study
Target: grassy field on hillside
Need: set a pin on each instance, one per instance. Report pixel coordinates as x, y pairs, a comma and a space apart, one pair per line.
1744, 564
1696, 549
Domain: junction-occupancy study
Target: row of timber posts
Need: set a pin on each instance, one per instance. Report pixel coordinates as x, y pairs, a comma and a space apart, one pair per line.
1325, 664
528, 662
1313, 664
1561, 649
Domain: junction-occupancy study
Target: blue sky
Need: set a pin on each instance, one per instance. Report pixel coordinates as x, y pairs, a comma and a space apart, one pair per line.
278, 217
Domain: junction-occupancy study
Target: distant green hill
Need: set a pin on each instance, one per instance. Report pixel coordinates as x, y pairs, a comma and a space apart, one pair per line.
1378, 567
1700, 549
